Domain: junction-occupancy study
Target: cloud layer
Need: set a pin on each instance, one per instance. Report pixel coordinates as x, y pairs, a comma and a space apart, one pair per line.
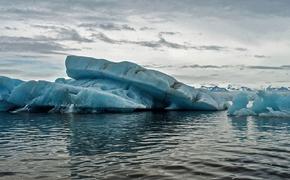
188, 34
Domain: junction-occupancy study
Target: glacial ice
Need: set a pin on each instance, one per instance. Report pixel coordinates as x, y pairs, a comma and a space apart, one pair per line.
265, 103
6, 87
101, 85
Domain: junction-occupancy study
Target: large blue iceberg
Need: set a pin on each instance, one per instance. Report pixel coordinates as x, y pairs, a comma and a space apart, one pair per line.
99, 85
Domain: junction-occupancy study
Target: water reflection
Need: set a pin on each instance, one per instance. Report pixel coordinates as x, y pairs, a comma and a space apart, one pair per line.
147, 145
121, 133
273, 124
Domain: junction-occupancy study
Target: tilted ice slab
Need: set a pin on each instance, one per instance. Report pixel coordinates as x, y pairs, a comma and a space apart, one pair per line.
164, 91
101, 85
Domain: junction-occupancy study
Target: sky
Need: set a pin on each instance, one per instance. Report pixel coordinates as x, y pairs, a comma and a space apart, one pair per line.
200, 42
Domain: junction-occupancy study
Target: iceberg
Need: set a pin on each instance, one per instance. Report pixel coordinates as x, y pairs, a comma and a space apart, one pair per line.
239, 102
99, 85
6, 87
266, 103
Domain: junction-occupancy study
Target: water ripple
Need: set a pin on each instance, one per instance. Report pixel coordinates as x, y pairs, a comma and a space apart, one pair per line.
147, 145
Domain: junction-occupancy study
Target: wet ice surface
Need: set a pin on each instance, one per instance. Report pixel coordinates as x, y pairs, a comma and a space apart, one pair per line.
145, 145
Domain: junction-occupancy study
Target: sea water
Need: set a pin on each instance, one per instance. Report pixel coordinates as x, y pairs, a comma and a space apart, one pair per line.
143, 145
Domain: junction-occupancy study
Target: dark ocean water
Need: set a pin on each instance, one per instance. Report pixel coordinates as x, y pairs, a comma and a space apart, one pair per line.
145, 145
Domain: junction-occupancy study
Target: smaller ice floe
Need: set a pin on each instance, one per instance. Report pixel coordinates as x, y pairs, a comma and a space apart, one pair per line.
265, 103
6, 87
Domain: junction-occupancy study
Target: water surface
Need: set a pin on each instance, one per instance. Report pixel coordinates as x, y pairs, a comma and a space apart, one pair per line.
145, 145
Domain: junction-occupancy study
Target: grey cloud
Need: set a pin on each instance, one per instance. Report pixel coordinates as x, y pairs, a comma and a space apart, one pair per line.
45, 26
241, 49
103, 37
162, 42
24, 13
220, 8
145, 28
26, 60
61, 11
29, 68
158, 66
201, 66
241, 67
10, 28
168, 33
187, 46
34, 45
29, 74
71, 35
31, 56
166, 43
127, 27
150, 44
108, 26
211, 47
261, 56
165, 8
92, 19
284, 67
63, 34
246, 19
10, 71
268, 67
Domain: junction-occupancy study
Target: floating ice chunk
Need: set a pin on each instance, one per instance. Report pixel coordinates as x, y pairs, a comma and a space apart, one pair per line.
264, 100
284, 103
6, 87
266, 103
240, 101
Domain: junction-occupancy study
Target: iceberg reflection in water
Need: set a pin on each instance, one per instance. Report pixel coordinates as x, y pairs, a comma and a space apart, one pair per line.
149, 145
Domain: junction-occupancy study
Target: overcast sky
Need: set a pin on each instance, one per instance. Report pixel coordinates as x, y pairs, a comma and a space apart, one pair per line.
210, 37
